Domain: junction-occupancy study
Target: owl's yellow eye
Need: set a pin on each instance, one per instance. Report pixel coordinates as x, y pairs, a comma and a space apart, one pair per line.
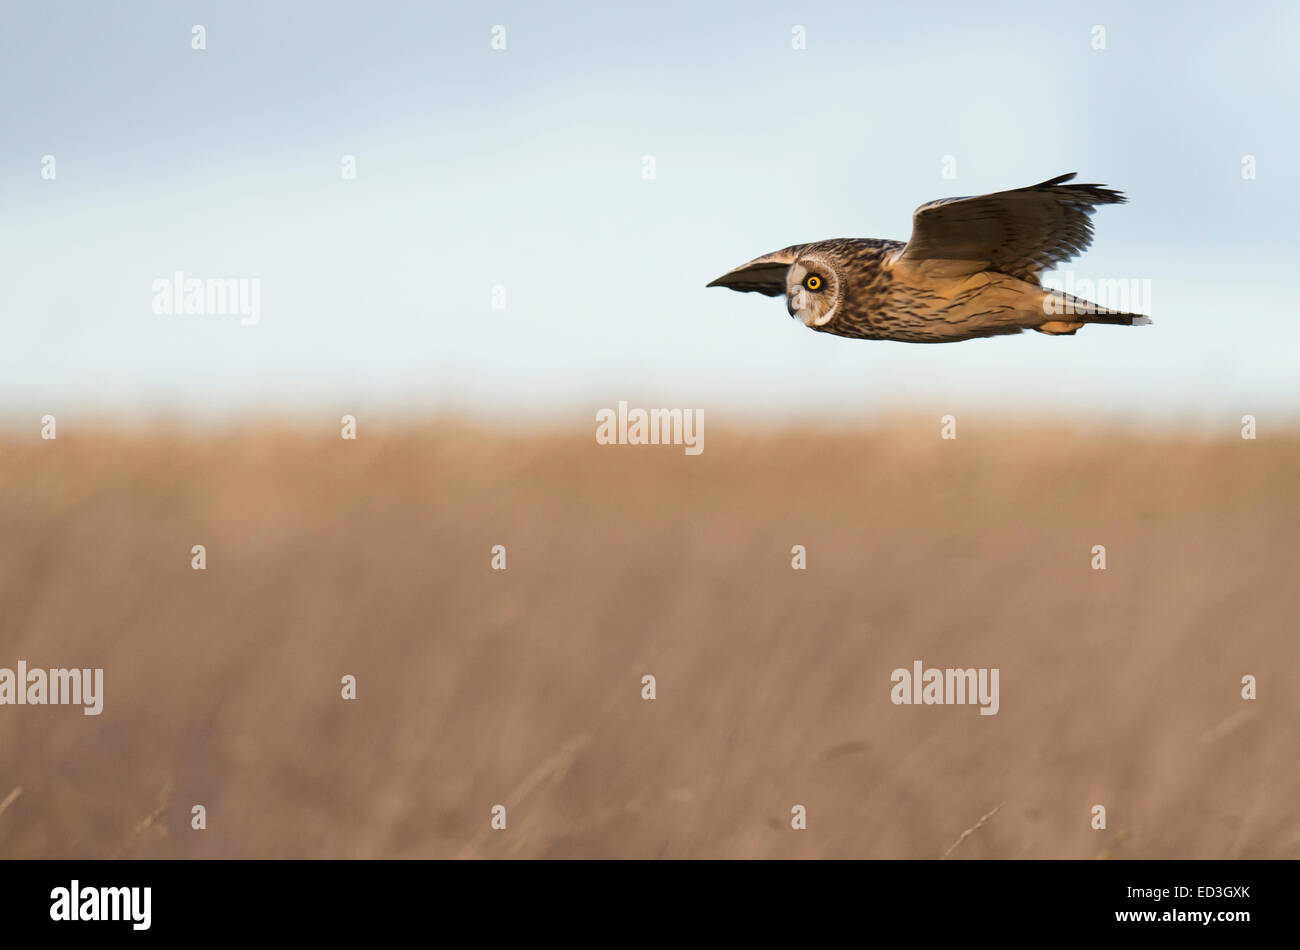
813, 282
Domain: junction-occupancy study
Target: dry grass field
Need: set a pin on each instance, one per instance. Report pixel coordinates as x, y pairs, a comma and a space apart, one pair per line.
476, 687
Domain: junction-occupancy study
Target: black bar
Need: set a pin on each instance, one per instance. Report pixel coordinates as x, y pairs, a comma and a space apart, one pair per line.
662, 900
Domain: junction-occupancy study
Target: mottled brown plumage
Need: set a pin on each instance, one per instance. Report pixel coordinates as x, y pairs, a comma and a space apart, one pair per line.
970, 269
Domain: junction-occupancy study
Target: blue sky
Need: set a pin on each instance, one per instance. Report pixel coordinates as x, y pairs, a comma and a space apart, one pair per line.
523, 168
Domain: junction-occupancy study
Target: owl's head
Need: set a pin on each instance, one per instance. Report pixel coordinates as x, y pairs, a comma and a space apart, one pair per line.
806, 274
812, 291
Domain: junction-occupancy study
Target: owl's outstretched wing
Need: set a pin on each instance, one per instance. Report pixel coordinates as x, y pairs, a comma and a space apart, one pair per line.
764, 274
1021, 232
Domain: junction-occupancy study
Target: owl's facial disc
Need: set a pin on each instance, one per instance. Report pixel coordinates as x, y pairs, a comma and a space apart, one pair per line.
811, 292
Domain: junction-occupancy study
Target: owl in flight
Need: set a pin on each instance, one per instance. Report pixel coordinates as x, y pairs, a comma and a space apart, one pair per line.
970, 269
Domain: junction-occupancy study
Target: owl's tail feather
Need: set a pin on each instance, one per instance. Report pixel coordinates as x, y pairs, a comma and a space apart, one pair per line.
1075, 312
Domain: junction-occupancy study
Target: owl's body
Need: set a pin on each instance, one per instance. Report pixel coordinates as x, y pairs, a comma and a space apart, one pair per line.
971, 269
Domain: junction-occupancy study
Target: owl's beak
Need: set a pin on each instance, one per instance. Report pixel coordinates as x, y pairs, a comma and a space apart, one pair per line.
790, 307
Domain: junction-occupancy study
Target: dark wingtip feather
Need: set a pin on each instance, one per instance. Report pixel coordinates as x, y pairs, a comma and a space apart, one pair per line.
1058, 180
1100, 194
1092, 193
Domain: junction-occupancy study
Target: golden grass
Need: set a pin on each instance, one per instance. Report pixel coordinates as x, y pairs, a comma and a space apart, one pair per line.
522, 687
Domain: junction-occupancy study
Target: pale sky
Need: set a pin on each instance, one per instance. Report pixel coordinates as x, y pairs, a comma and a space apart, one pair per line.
522, 168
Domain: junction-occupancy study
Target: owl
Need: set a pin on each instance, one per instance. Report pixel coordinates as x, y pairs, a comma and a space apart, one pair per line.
970, 269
